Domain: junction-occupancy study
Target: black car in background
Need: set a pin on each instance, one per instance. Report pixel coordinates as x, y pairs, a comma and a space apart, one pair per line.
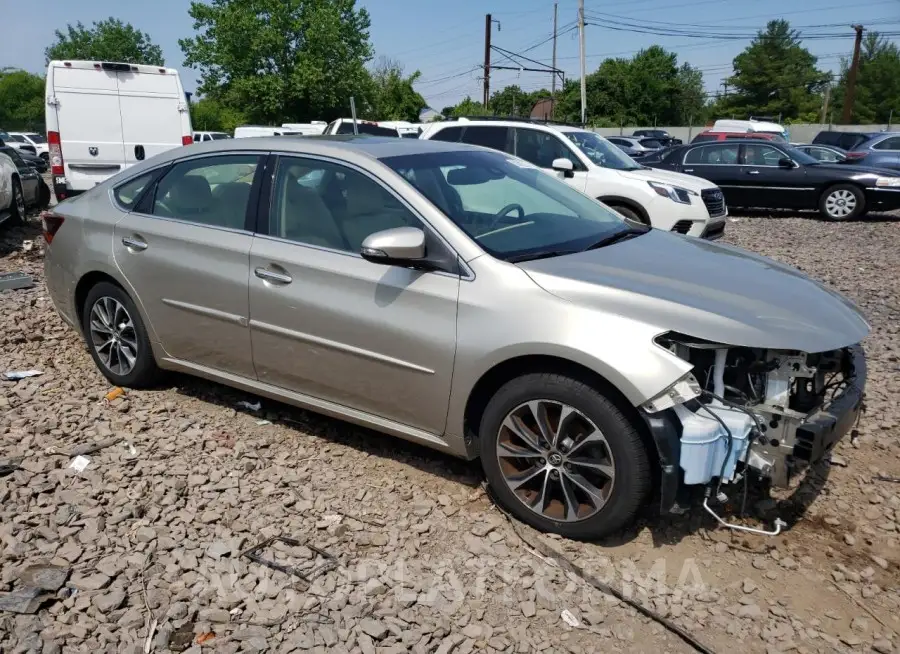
763, 174
823, 153
35, 190
661, 135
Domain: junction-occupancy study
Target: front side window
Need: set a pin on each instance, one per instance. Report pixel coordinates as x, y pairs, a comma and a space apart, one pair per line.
713, 155
761, 155
212, 191
320, 203
492, 137
601, 152
513, 210
541, 148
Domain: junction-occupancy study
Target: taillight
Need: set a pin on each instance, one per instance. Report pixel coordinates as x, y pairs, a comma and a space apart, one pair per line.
856, 156
51, 223
187, 140
56, 157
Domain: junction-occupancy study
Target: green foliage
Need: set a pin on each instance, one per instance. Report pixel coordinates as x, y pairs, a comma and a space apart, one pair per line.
393, 96
775, 75
21, 101
648, 89
107, 40
468, 107
877, 82
211, 114
281, 60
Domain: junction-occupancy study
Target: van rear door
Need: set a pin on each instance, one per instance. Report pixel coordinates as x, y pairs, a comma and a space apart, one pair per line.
90, 125
152, 106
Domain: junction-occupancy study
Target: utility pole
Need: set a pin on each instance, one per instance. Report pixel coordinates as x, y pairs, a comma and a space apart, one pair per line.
581, 44
553, 78
850, 96
825, 103
487, 59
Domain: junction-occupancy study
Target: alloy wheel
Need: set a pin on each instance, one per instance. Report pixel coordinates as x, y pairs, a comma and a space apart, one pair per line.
113, 335
840, 203
555, 460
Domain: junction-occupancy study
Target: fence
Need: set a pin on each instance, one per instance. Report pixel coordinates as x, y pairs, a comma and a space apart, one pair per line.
799, 133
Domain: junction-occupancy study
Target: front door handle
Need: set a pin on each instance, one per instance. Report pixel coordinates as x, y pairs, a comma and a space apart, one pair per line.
271, 276
134, 244
688, 170
753, 172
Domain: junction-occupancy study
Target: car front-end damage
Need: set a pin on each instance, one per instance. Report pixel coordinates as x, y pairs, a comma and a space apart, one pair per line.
740, 409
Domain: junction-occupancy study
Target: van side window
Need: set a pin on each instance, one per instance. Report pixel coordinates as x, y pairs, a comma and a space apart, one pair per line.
211, 191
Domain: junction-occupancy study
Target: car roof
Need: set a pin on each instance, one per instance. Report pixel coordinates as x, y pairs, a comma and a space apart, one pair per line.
474, 122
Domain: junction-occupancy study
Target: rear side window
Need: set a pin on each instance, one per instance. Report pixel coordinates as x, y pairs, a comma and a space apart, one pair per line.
448, 134
888, 144
713, 155
487, 136
211, 191
127, 194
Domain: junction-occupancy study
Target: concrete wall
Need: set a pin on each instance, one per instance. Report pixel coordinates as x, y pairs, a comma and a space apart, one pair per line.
799, 133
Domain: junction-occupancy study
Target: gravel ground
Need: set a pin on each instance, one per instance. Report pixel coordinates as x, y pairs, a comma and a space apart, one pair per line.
146, 541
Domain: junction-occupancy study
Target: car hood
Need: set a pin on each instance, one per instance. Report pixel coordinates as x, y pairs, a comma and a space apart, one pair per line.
707, 290
690, 182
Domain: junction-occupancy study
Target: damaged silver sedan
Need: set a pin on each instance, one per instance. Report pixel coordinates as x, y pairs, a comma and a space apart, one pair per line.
466, 300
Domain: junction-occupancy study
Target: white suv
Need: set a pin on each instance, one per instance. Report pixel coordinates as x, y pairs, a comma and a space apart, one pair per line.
666, 200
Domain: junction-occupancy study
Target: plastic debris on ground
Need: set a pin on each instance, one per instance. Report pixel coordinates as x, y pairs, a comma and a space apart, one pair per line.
250, 406
114, 393
569, 618
16, 375
79, 463
263, 422
15, 280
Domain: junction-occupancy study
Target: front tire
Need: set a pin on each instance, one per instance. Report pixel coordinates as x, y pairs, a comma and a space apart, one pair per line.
117, 338
842, 202
560, 456
630, 213
17, 204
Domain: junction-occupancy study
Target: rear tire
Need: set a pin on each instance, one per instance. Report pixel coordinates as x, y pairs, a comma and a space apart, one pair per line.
117, 338
842, 202
44, 195
585, 488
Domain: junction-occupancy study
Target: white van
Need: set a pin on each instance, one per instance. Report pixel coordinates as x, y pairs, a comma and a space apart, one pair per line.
103, 117
314, 128
406, 129
748, 126
248, 131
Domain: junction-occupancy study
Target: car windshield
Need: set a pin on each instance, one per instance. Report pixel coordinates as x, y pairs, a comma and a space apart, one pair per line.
601, 152
513, 210
37, 138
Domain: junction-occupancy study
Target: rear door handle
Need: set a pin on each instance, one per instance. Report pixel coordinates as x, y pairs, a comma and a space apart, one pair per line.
134, 244
753, 172
688, 170
271, 276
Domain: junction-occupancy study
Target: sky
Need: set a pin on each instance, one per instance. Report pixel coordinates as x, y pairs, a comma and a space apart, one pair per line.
445, 40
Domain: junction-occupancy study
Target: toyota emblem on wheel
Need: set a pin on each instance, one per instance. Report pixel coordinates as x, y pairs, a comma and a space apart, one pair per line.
93, 150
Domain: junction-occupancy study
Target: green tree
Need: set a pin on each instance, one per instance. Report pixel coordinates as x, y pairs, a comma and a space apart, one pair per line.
468, 107
393, 96
107, 40
775, 75
511, 101
285, 60
211, 114
877, 82
21, 100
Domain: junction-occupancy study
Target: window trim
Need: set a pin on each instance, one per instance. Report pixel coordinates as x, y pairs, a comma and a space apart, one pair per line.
685, 162
141, 208
264, 207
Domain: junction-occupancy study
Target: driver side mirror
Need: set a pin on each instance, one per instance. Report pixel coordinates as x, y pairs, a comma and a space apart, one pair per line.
784, 162
564, 166
400, 246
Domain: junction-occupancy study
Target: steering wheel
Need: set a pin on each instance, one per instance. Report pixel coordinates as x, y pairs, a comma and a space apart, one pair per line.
505, 210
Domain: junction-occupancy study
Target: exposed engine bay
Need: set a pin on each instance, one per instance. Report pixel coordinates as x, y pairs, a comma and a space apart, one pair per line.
770, 411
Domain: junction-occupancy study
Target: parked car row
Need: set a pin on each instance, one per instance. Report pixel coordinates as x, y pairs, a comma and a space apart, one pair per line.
21, 185
462, 298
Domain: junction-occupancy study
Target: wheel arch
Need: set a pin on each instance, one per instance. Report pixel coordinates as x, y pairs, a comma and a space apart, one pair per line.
100, 273
501, 373
617, 200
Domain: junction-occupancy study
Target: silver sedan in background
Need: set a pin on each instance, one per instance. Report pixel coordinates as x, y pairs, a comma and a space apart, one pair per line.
462, 298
